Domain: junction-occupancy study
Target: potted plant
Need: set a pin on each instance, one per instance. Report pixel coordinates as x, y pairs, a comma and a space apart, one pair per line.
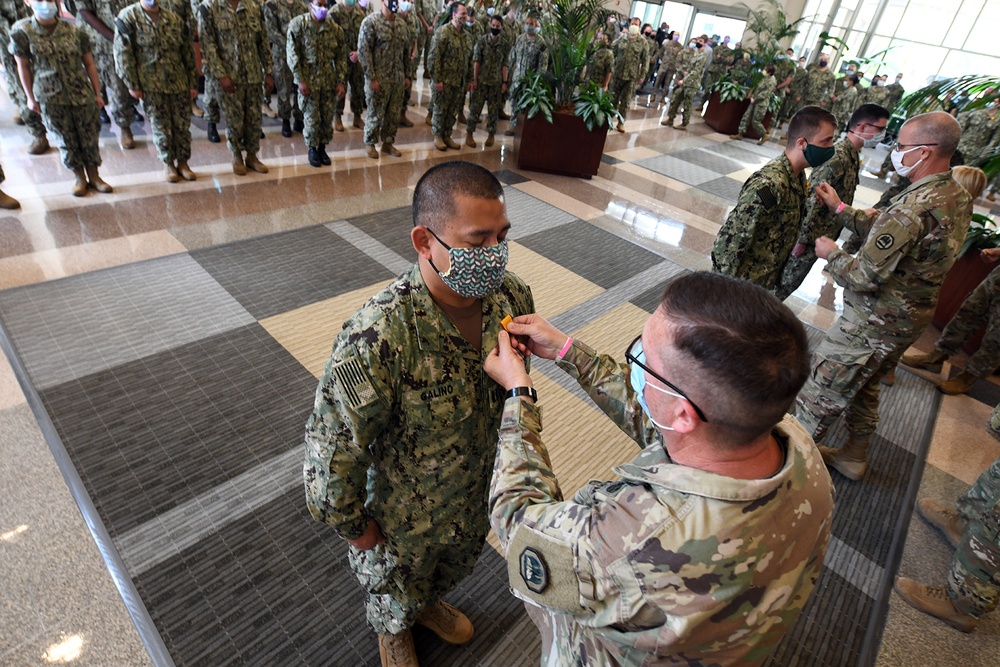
564, 125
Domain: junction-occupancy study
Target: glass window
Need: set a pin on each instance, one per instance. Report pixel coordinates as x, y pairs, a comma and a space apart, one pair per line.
983, 36
890, 17
959, 63
962, 25
845, 14
866, 13
710, 24
926, 21
678, 17
919, 63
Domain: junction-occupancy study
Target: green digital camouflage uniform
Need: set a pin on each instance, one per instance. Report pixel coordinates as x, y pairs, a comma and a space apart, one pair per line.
842, 173
891, 289
62, 88
981, 308
818, 87
895, 92
758, 236
277, 15
116, 92
427, 10
722, 58
414, 25
491, 55
451, 65
600, 64
526, 54
753, 117
689, 73
383, 55
874, 95
979, 132
845, 104
631, 63
669, 52
12, 11
157, 58
316, 52
404, 432
794, 99
665, 561
350, 20
234, 44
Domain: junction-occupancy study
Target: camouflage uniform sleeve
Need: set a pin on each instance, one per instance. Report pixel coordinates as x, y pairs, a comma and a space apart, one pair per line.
857, 221
366, 45
292, 56
188, 60
20, 45
340, 54
125, 61
272, 21
890, 239
208, 38
264, 53
758, 201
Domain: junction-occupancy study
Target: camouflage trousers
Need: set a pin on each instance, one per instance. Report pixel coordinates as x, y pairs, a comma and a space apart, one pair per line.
982, 307
317, 110
211, 102
683, 95
242, 113
846, 370
384, 110
622, 93
355, 83
974, 579
754, 117
447, 104
492, 98
169, 115
399, 583
122, 104
75, 132
286, 90
662, 85
34, 121
788, 109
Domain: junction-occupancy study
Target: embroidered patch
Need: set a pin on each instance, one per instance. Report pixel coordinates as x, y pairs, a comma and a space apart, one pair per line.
354, 384
533, 570
767, 197
884, 241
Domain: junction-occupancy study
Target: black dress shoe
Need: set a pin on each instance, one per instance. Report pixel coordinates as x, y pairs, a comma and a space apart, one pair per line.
213, 133
314, 159
323, 156
286, 128
104, 117
298, 126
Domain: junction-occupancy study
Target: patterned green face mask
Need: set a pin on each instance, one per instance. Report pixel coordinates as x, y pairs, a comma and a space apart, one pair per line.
474, 272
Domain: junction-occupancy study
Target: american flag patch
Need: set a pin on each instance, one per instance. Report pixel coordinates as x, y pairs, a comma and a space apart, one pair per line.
353, 382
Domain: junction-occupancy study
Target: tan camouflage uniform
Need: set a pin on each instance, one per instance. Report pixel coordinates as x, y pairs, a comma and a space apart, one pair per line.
527, 53
754, 115
891, 289
12, 11
758, 236
689, 73
316, 52
277, 15
383, 55
403, 432
981, 308
667, 564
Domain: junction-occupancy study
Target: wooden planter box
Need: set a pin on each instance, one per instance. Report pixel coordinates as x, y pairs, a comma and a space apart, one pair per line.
963, 277
564, 146
725, 117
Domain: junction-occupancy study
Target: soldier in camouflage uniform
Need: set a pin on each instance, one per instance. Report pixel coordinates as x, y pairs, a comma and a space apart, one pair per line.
402, 438
489, 80
530, 52
689, 72
793, 100
349, 17
12, 11
451, 75
979, 132
660, 565
407, 13
841, 172
670, 49
757, 237
819, 84
876, 93
760, 100
154, 57
60, 82
891, 286
383, 44
100, 15
602, 62
235, 50
316, 51
277, 15
631, 62
426, 13
894, 92
845, 100
722, 58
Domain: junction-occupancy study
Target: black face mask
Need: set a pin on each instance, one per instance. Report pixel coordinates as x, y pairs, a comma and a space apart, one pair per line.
494, 31
392, 5
701, 46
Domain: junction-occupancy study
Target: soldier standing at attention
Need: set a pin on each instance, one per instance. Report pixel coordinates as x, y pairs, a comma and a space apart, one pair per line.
891, 286
666, 563
349, 16
100, 15
760, 99
12, 11
489, 80
383, 52
234, 48
686, 87
819, 85
895, 92
866, 128
757, 237
979, 131
670, 51
60, 81
451, 74
845, 100
413, 23
530, 52
602, 63
401, 441
426, 13
277, 15
631, 62
317, 57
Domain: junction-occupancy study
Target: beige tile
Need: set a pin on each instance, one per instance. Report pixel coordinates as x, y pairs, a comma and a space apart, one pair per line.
637, 153
559, 200
866, 197
653, 176
610, 333
715, 136
742, 175
555, 288
961, 446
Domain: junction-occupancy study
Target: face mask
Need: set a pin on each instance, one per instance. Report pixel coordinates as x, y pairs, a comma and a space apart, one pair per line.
802, 63
725, 41
871, 142
405, 6
898, 79
489, 11
700, 45
822, 63
45, 10
495, 31
817, 155
363, 3
474, 272
881, 83
469, 24
897, 161
638, 378
320, 12
530, 29
350, 3
692, 45
633, 30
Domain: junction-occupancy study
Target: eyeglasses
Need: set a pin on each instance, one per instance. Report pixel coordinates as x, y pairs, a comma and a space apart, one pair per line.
898, 146
631, 357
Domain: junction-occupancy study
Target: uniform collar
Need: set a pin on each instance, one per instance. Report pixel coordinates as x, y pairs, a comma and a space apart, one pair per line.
926, 180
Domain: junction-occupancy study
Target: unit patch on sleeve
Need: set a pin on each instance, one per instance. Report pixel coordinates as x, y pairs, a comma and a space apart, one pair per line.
534, 571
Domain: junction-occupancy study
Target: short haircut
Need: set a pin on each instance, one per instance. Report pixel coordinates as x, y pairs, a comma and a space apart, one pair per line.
854, 78
935, 127
454, 8
867, 113
972, 179
497, 18
743, 355
434, 196
807, 121
770, 69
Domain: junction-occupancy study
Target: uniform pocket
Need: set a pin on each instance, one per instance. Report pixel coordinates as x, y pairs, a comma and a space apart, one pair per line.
375, 568
47, 85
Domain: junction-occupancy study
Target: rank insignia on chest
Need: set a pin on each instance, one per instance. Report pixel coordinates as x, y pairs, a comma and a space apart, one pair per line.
533, 570
884, 241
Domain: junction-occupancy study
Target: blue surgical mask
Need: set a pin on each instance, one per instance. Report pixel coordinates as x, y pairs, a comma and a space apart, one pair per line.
405, 6
490, 11
474, 272
45, 10
469, 24
638, 379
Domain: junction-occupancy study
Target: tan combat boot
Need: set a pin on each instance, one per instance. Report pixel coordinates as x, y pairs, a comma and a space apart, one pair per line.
450, 143
372, 153
959, 384
128, 141
397, 650
185, 171
736, 137
461, 117
992, 196
253, 163
620, 126
448, 623
338, 123
196, 110
763, 140
669, 122
430, 117
944, 518
934, 600
96, 181
489, 140
170, 171
239, 168
470, 141
439, 144
358, 123
389, 149
38, 145
851, 460
8, 202
931, 361
80, 185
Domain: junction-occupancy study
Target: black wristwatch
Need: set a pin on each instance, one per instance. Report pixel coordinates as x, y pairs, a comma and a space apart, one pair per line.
523, 391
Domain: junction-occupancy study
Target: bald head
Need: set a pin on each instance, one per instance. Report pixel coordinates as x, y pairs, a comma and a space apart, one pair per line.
936, 127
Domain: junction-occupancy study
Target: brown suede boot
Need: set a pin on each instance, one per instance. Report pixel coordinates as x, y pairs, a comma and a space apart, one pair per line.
397, 650
80, 185
489, 140
253, 163
185, 171
7, 202
935, 601
239, 168
470, 141
851, 460
38, 145
931, 361
450, 143
96, 181
944, 518
959, 384
338, 123
372, 152
128, 142
358, 123
170, 172
736, 137
448, 623
439, 144
389, 149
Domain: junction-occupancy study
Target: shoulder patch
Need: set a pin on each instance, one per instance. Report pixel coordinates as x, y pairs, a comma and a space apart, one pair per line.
540, 569
354, 384
767, 197
889, 238
884, 241
534, 571
122, 26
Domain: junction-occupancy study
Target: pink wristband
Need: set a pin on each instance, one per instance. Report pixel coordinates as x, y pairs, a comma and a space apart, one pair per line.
840, 209
565, 348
